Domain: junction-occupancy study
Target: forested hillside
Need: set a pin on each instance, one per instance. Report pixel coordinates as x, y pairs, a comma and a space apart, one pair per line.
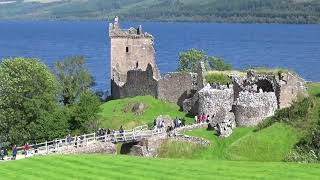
258, 11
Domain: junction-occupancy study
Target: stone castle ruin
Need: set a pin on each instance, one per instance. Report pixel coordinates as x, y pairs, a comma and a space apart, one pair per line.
134, 71
249, 100
246, 102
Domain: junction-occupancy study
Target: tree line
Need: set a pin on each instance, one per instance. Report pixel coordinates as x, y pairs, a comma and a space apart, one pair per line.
243, 11
37, 104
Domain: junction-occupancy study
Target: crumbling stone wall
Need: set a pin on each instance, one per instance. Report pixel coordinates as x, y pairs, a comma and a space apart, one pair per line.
139, 83
290, 86
215, 103
252, 108
286, 86
177, 86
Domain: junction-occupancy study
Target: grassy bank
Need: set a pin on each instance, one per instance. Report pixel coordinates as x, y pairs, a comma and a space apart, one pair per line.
118, 112
124, 167
270, 144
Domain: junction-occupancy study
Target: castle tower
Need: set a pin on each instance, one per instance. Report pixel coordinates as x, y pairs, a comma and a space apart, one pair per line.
131, 49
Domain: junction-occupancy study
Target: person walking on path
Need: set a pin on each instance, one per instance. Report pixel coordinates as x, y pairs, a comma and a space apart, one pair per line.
121, 131
69, 139
14, 152
2, 153
26, 148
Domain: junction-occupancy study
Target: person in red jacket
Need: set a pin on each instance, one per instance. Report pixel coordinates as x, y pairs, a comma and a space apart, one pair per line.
26, 149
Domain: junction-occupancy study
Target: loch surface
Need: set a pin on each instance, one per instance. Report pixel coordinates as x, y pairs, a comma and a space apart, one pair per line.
296, 47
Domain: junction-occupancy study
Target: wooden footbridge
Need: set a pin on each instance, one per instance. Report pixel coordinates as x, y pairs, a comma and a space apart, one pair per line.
132, 135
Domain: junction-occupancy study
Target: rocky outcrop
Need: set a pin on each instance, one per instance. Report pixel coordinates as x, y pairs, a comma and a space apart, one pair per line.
225, 128
251, 108
191, 105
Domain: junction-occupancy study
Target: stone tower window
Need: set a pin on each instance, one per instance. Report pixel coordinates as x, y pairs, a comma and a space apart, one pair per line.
137, 64
127, 49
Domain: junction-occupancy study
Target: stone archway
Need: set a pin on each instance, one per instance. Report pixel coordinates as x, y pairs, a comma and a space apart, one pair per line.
265, 85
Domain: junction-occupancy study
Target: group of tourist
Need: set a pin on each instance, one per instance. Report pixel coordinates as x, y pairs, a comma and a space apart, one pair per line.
171, 127
158, 125
201, 118
4, 153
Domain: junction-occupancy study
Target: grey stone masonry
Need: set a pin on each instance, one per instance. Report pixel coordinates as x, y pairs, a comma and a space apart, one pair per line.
251, 108
215, 103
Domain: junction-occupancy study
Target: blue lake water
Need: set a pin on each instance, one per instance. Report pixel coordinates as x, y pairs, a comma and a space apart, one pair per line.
296, 47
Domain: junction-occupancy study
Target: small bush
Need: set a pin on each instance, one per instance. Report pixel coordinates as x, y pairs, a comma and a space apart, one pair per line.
220, 78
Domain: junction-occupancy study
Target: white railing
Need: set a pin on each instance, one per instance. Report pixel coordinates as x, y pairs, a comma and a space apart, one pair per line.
135, 134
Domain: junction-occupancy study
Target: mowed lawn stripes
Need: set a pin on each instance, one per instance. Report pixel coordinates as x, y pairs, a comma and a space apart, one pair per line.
135, 168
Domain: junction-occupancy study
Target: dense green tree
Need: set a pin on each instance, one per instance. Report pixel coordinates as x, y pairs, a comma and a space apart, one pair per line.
84, 113
74, 78
28, 101
189, 60
218, 64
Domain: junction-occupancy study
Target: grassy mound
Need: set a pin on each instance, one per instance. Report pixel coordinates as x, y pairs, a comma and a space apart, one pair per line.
118, 112
124, 167
270, 144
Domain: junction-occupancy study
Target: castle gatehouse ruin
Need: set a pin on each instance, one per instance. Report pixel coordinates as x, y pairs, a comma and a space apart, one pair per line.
246, 102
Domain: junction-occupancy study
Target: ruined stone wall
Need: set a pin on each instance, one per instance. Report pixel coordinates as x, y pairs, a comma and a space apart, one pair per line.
286, 86
177, 86
139, 83
252, 108
215, 103
290, 87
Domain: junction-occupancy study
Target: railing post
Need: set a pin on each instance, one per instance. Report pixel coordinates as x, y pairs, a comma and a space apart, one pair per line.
115, 136
133, 135
94, 136
47, 149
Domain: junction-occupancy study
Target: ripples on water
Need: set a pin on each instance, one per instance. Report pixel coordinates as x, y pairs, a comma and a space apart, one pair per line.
296, 47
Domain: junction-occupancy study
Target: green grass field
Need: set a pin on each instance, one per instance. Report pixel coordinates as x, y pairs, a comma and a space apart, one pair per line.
102, 167
270, 144
114, 112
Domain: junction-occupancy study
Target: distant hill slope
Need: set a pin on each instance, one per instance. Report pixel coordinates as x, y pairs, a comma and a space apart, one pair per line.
259, 11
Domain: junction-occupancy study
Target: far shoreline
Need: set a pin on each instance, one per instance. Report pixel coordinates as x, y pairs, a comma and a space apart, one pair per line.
152, 21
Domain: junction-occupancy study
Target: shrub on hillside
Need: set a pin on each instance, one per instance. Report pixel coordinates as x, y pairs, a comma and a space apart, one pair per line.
302, 113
